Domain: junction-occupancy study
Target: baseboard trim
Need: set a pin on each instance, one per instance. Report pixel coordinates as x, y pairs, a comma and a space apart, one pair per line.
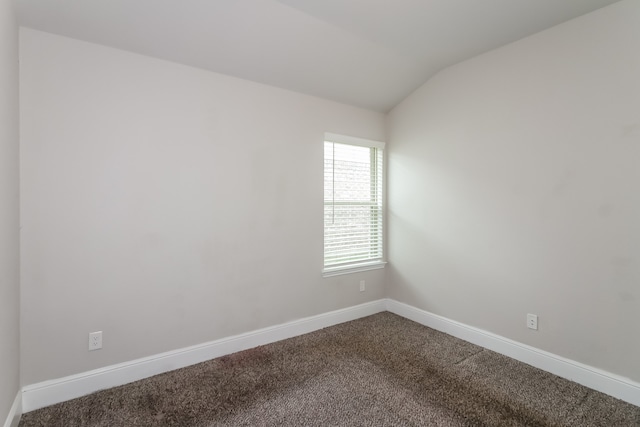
47, 393
594, 378
15, 412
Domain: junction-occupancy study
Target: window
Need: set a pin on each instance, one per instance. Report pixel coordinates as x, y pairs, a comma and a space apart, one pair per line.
353, 208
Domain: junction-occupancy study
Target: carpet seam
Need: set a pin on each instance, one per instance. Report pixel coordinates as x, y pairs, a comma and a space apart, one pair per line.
468, 357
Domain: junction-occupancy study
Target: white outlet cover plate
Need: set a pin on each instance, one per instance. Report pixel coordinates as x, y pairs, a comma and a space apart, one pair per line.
532, 321
95, 340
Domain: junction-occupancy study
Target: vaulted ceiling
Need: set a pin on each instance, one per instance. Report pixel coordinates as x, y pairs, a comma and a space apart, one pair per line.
367, 53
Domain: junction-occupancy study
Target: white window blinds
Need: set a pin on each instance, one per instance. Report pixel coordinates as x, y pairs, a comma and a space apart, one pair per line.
353, 208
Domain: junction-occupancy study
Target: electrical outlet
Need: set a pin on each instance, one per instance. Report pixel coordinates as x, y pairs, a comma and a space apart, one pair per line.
532, 321
95, 340
362, 286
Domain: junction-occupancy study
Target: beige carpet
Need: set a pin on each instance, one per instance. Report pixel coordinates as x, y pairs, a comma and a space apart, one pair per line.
382, 370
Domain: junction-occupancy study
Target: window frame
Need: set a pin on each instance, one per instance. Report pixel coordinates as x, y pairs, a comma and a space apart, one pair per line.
369, 264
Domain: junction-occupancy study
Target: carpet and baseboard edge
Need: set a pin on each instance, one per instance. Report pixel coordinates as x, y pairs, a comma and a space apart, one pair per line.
594, 378
50, 392
47, 393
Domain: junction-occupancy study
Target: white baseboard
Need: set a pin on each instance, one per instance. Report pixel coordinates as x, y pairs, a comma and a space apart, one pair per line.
13, 417
47, 393
594, 378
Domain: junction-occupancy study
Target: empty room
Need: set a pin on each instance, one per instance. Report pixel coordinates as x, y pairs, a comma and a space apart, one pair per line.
319, 213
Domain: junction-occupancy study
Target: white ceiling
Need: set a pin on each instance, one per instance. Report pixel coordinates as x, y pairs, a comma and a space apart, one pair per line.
368, 53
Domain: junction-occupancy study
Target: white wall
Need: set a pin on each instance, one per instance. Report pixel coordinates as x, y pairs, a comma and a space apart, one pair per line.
514, 188
9, 211
166, 206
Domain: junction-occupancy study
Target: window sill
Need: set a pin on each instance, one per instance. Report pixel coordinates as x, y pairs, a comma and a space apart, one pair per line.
353, 268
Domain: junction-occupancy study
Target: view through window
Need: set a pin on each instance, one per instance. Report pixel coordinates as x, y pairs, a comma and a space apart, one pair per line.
353, 203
